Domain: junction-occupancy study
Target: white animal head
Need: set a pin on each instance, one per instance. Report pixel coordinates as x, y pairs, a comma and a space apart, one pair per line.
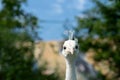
70, 48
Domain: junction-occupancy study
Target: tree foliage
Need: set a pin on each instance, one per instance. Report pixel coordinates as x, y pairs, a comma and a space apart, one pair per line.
17, 31
100, 31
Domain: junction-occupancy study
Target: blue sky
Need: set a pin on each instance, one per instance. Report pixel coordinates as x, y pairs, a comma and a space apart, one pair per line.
55, 13
56, 10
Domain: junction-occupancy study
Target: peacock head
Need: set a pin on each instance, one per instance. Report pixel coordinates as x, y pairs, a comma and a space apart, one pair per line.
70, 47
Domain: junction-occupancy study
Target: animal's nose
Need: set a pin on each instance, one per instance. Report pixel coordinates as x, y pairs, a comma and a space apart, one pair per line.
71, 51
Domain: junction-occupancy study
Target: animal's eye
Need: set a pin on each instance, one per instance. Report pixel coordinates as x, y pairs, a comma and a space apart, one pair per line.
76, 47
73, 38
64, 47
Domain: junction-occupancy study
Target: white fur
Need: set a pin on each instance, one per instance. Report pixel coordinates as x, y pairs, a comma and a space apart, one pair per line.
70, 54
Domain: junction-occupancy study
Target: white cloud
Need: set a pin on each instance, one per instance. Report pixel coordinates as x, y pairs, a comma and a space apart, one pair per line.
57, 8
60, 1
81, 15
76, 4
80, 4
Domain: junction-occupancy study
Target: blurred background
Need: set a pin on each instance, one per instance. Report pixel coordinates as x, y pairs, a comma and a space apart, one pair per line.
32, 33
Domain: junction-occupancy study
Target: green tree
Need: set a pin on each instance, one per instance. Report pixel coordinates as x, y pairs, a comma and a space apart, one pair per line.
17, 34
100, 30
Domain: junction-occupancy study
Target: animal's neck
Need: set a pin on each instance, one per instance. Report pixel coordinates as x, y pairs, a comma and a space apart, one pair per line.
70, 70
